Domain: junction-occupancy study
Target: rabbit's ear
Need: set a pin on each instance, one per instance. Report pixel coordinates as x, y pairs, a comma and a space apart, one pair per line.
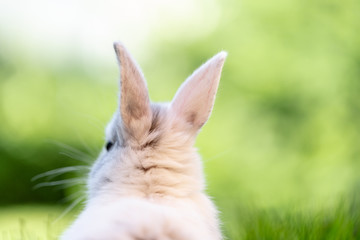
194, 100
135, 107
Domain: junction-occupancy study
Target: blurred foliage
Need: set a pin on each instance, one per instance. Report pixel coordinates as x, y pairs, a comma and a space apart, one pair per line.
286, 125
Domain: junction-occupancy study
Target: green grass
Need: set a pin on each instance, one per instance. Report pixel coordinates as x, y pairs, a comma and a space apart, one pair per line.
339, 223
31, 222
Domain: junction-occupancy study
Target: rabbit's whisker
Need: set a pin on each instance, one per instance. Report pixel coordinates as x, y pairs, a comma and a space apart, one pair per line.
70, 207
67, 182
73, 196
219, 155
75, 156
69, 185
91, 150
59, 171
73, 150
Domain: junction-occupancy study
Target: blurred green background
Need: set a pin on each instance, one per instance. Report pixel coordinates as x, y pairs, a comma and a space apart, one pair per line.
285, 130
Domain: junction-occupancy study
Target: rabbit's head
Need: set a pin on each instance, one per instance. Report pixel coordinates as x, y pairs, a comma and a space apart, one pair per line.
149, 146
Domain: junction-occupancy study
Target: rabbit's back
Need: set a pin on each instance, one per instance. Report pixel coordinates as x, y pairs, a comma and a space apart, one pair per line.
135, 219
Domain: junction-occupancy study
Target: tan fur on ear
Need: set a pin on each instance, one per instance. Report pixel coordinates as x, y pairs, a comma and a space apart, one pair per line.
195, 98
135, 108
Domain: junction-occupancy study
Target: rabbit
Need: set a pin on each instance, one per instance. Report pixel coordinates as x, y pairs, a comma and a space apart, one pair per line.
148, 182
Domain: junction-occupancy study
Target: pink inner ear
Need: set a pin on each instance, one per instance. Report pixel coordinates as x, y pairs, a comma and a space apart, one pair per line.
194, 100
134, 99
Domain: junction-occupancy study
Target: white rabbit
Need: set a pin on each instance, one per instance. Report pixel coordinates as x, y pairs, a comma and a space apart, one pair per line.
148, 183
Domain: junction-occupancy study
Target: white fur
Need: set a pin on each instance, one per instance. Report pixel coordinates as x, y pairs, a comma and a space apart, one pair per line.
150, 185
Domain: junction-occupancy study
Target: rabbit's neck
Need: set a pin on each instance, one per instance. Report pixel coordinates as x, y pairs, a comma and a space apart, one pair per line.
161, 175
